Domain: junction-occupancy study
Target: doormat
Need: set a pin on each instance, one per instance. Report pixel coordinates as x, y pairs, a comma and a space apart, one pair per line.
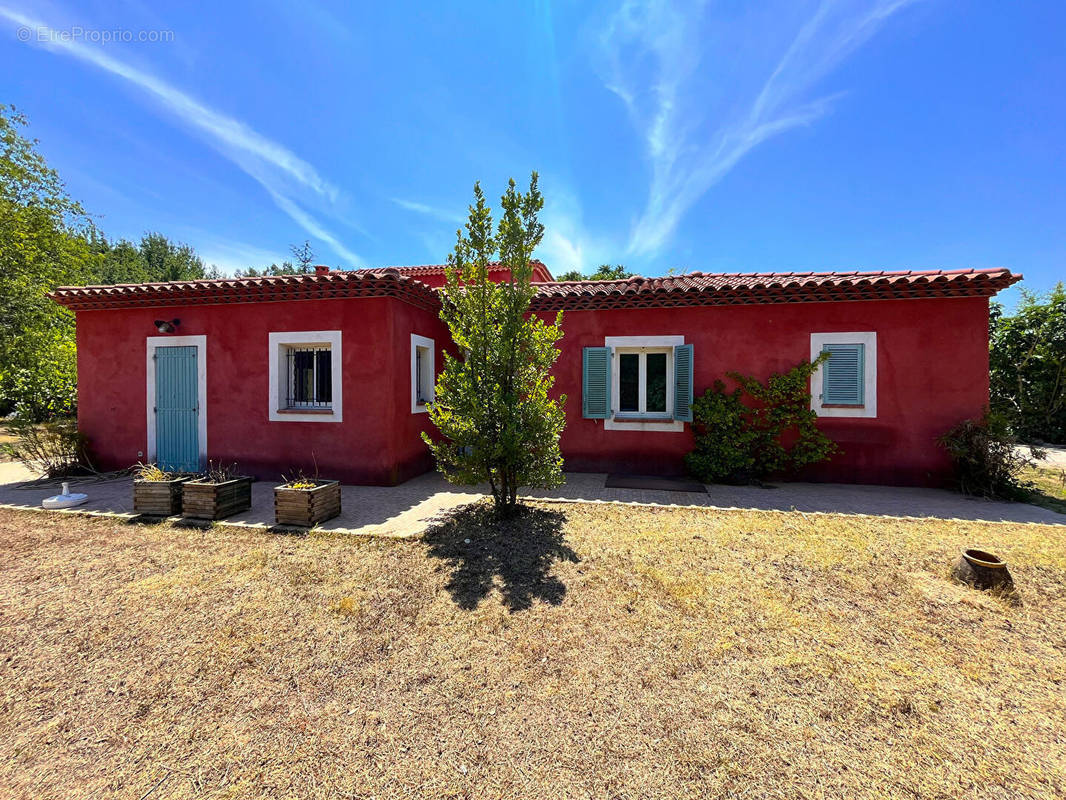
654, 483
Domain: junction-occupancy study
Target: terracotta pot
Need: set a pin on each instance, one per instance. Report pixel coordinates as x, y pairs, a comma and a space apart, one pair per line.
983, 570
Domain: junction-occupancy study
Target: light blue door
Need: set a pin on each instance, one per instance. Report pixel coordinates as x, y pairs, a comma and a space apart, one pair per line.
177, 410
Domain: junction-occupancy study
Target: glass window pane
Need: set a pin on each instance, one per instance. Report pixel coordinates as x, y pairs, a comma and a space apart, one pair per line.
418, 375
628, 382
324, 377
303, 368
656, 378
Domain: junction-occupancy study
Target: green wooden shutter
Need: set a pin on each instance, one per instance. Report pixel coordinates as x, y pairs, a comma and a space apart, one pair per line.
843, 375
683, 382
596, 382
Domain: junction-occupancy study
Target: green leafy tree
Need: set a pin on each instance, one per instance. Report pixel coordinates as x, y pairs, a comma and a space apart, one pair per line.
1027, 364
496, 420
117, 262
169, 261
47, 240
44, 243
155, 259
605, 272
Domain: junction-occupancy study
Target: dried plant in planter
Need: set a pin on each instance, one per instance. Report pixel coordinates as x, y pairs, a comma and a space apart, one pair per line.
299, 481
151, 473
305, 501
219, 492
156, 491
218, 472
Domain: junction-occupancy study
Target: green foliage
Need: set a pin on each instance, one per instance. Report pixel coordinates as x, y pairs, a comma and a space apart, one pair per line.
497, 422
47, 240
987, 460
44, 242
154, 259
605, 272
54, 447
44, 383
1028, 365
758, 429
167, 261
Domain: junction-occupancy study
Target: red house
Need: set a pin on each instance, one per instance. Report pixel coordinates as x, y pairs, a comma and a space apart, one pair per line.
336, 367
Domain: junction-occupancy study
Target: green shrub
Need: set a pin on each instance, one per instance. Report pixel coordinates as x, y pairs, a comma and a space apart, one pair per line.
987, 459
770, 431
45, 389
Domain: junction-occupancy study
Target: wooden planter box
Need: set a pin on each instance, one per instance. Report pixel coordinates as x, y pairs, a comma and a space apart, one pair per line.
307, 507
159, 498
216, 500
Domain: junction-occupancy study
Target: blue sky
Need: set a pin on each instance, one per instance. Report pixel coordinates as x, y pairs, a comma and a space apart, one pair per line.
725, 136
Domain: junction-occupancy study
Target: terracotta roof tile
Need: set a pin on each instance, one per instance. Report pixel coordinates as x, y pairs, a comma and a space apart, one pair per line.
438, 269
690, 289
312, 286
723, 288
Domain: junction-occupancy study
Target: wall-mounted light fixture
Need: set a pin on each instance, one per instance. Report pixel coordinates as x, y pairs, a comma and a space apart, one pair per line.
163, 326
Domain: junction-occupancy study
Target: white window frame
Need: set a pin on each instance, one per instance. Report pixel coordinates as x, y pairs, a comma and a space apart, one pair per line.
868, 339
429, 369
278, 342
200, 343
632, 421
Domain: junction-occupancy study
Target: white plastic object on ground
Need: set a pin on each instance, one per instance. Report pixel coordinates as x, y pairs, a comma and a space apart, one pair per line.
65, 500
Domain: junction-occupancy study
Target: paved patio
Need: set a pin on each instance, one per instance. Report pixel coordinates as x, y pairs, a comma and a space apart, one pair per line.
407, 509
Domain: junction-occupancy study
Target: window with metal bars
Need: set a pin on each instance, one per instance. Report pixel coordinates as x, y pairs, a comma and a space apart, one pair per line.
310, 377
420, 391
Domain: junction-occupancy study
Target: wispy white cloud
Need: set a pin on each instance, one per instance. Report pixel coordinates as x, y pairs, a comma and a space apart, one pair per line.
430, 211
568, 244
311, 225
281, 172
700, 111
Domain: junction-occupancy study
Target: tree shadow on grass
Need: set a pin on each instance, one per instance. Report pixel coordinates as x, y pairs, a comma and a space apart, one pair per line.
515, 554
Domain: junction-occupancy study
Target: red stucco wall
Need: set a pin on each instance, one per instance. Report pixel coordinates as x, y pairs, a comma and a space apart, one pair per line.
932, 367
411, 454
932, 372
376, 443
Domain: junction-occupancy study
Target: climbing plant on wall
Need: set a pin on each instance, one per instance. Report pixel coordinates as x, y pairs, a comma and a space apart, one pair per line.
758, 429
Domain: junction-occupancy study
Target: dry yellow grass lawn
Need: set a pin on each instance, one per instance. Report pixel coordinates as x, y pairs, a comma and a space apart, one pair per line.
588, 651
1049, 485
6, 437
